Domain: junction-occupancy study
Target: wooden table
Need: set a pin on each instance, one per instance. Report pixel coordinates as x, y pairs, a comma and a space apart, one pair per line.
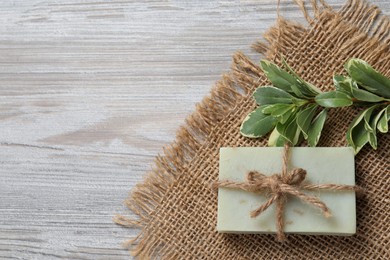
90, 92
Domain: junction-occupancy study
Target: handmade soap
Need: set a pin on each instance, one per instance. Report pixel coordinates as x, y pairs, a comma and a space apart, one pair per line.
323, 166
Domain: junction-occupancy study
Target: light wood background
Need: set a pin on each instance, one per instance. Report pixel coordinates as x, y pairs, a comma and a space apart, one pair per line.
90, 92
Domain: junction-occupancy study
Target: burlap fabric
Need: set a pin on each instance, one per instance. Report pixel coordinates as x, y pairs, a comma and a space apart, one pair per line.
177, 209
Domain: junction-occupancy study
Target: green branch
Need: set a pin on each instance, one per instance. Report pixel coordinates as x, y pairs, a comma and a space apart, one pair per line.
294, 110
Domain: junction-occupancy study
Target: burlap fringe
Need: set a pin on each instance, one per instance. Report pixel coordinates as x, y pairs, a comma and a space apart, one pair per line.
225, 96
146, 196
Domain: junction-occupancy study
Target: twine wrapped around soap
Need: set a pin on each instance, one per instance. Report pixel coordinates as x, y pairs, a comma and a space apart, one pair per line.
279, 186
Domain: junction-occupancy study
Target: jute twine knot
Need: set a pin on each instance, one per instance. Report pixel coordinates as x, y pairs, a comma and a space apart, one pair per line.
278, 186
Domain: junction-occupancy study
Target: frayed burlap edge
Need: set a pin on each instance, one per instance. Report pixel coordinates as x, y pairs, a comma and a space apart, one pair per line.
146, 197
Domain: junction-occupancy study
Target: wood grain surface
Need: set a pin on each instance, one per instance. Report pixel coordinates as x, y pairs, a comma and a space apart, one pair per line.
90, 92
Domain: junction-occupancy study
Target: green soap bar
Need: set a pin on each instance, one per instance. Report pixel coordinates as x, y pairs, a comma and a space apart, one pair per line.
324, 165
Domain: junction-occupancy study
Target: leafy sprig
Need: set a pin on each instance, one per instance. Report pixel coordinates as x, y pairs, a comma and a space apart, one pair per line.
294, 110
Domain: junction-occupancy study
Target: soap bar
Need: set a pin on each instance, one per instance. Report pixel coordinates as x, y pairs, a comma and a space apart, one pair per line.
324, 165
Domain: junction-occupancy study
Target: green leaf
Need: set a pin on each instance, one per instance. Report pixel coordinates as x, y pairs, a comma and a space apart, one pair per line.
372, 139
273, 138
279, 77
368, 78
357, 135
257, 124
298, 93
283, 118
378, 117
276, 139
304, 118
272, 95
344, 84
364, 95
281, 111
383, 123
367, 118
370, 125
305, 88
314, 132
277, 109
333, 99
289, 130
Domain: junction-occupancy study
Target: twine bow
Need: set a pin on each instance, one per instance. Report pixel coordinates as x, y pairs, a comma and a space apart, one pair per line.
281, 185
